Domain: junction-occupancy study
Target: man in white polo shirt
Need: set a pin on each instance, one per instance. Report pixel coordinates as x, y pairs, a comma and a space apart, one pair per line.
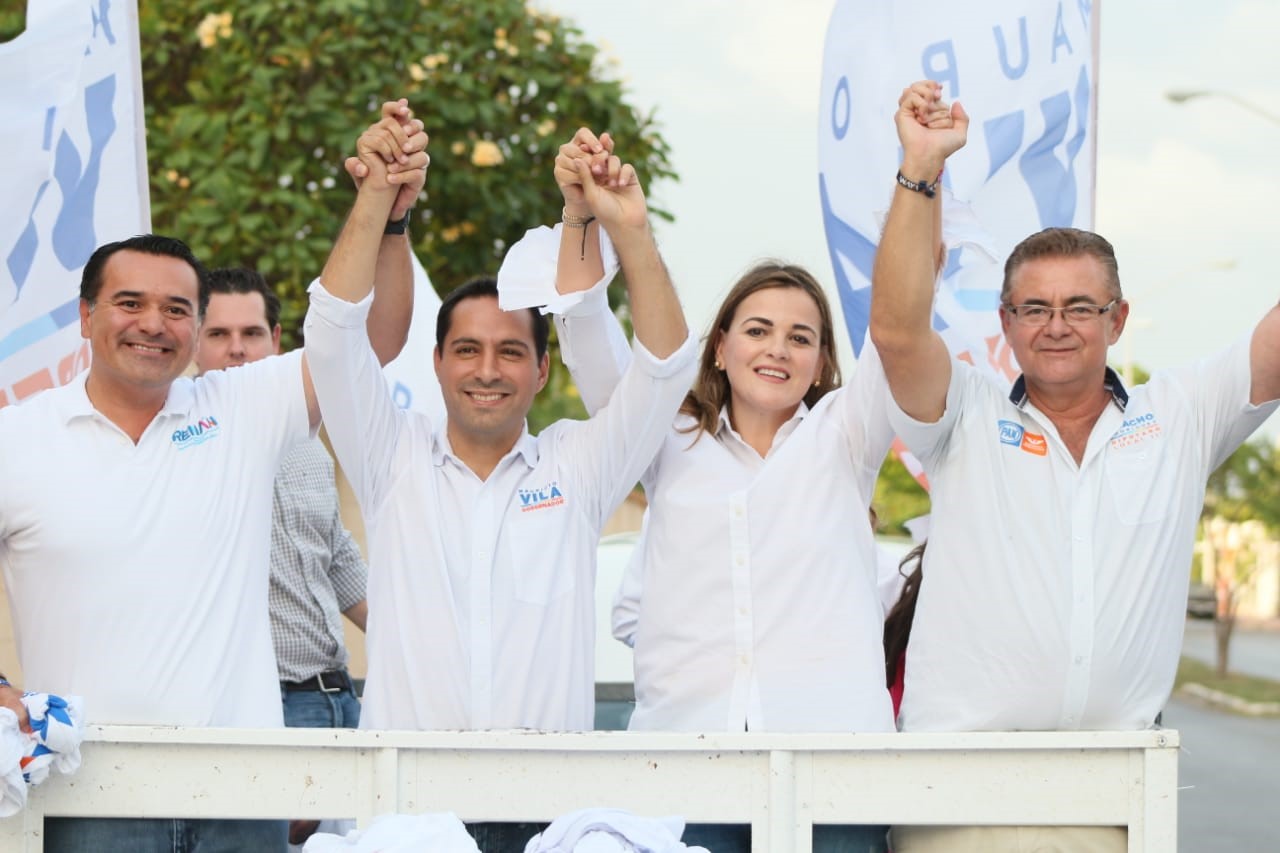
135, 509
1064, 514
482, 538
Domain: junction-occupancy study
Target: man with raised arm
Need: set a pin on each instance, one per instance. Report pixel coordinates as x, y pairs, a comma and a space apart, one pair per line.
1064, 512
135, 510
482, 537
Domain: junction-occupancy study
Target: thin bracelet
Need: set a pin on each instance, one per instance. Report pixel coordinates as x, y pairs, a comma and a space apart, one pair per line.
572, 221
929, 189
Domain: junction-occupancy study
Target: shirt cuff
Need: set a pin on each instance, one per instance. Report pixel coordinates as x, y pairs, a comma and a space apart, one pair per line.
661, 368
336, 311
527, 278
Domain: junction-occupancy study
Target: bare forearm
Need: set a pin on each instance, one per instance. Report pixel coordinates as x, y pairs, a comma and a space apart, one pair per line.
392, 308
905, 265
655, 308
579, 265
349, 272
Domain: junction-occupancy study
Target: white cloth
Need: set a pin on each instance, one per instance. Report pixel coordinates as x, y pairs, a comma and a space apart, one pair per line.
1055, 594
397, 833
156, 551
599, 830
26, 759
481, 593
759, 606
527, 267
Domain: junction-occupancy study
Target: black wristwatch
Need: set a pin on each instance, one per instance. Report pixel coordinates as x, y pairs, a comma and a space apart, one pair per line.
398, 226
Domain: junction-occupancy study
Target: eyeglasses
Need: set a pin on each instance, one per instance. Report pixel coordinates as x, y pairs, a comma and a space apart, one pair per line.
1075, 313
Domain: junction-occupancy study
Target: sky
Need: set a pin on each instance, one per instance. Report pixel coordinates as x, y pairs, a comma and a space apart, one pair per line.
1182, 190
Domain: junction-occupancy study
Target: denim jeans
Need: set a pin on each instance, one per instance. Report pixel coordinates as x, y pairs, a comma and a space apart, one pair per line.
503, 837
315, 709
143, 835
736, 838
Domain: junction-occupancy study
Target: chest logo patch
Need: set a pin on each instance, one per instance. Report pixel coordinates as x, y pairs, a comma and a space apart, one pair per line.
1015, 435
1136, 430
196, 433
542, 497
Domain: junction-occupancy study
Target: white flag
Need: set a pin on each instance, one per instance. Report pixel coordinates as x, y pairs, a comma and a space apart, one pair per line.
1026, 74
74, 177
412, 375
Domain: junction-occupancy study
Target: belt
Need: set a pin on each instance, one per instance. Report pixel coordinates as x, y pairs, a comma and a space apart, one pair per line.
334, 681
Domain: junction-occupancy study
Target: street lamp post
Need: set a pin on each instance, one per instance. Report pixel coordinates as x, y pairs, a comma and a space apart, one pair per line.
1181, 96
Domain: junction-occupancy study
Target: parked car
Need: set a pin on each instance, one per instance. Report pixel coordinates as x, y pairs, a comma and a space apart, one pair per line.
1202, 601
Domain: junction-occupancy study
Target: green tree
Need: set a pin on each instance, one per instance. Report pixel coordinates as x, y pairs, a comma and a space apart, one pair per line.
898, 498
251, 107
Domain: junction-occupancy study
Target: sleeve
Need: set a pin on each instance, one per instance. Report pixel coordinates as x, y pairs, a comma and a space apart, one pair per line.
614, 447
268, 395
864, 411
929, 440
1217, 389
625, 617
592, 344
347, 570
365, 425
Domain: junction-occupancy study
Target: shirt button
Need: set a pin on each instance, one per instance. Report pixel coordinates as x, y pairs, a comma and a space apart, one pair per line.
1079, 660
739, 511
739, 560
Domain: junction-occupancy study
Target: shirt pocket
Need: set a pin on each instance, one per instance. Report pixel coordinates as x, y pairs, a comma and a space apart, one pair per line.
536, 550
1141, 480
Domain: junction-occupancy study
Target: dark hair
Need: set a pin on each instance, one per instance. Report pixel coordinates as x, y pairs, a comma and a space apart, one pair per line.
147, 244
897, 625
711, 390
1063, 243
245, 280
486, 287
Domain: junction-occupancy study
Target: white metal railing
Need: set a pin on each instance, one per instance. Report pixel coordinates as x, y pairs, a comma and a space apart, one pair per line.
780, 783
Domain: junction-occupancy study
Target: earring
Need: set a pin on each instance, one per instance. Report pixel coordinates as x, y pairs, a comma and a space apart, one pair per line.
815, 383
719, 366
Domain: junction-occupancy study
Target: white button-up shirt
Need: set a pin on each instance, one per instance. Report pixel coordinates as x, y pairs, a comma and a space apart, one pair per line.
756, 578
1054, 594
481, 592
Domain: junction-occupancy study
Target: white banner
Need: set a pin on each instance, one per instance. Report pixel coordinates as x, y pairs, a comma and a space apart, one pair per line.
74, 177
1025, 72
412, 375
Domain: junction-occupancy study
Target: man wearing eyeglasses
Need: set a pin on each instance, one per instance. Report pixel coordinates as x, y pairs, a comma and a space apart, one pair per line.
1064, 513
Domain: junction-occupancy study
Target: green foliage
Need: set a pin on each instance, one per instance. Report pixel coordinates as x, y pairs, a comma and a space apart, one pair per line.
899, 498
1247, 486
12, 22
251, 107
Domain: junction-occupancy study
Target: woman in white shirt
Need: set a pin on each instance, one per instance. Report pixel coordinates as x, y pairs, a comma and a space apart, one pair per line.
758, 601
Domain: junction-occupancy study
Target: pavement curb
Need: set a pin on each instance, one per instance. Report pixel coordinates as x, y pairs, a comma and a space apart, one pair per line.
1233, 703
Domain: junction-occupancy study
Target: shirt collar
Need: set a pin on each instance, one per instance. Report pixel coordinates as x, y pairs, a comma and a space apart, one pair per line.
526, 446
1110, 381
75, 402
724, 425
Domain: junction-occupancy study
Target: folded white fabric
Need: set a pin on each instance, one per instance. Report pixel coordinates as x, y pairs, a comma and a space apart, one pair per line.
439, 833
611, 831
57, 728
527, 277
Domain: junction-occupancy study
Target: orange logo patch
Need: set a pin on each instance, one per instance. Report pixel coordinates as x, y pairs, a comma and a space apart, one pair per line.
1035, 444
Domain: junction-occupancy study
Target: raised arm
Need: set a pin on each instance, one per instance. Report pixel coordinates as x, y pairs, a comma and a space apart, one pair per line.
406, 158
916, 362
619, 204
393, 154
1264, 359
580, 265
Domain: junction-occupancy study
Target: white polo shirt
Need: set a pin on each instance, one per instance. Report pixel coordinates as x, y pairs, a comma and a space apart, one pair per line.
1054, 595
137, 574
481, 593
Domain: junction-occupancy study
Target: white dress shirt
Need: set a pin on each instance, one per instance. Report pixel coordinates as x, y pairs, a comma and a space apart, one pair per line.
1054, 594
137, 573
759, 607
481, 592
